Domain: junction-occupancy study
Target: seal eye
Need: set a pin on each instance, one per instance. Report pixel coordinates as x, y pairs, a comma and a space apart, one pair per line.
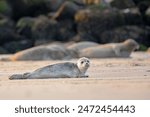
82, 62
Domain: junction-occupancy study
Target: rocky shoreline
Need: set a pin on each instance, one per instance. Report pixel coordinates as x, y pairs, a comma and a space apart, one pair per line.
26, 23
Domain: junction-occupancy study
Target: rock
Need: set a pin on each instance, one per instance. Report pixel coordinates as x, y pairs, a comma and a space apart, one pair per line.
3, 51
132, 16
39, 28
22, 8
66, 11
82, 15
7, 34
10, 39
55, 4
44, 28
122, 4
24, 26
66, 30
99, 26
6, 22
69, 7
42, 42
139, 1
140, 34
88, 2
143, 5
5, 8
147, 16
92, 25
15, 46
7, 31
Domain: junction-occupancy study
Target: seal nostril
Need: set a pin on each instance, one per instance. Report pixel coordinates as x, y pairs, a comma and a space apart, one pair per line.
87, 64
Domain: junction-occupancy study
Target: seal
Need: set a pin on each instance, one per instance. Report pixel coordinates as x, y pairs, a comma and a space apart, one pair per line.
43, 52
82, 45
59, 70
116, 50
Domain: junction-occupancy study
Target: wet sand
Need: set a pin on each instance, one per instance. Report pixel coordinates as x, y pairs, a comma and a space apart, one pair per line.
108, 79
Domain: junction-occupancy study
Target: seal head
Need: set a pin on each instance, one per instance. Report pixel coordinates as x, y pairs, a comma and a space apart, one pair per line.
83, 64
131, 45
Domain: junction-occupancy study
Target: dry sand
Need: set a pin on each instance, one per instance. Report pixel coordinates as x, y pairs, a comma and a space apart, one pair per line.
108, 79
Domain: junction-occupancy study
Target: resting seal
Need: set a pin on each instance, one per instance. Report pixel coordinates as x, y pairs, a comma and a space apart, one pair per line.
82, 45
60, 70
116, 50
44, 52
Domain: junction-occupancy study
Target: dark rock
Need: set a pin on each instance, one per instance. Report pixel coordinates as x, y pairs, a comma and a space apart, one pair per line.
66, 30
3, 51
140, 34
15, 46
93, 24
132, 16
7, 31
44, 28
122, 4
6, 35
147, 16
5, 8
21, 8
24, 26
10, 40
55, 4
88, 2
66, 11
42, 42
38, 28
143, 5
6, 22
139, 1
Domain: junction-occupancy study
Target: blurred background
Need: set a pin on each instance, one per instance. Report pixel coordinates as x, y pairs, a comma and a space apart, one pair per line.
28, 23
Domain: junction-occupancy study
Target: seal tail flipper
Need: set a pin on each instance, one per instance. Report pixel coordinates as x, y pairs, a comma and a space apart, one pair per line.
19, 76
16, 77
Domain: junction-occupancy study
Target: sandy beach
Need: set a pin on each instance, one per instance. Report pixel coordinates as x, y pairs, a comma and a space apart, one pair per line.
108, 79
